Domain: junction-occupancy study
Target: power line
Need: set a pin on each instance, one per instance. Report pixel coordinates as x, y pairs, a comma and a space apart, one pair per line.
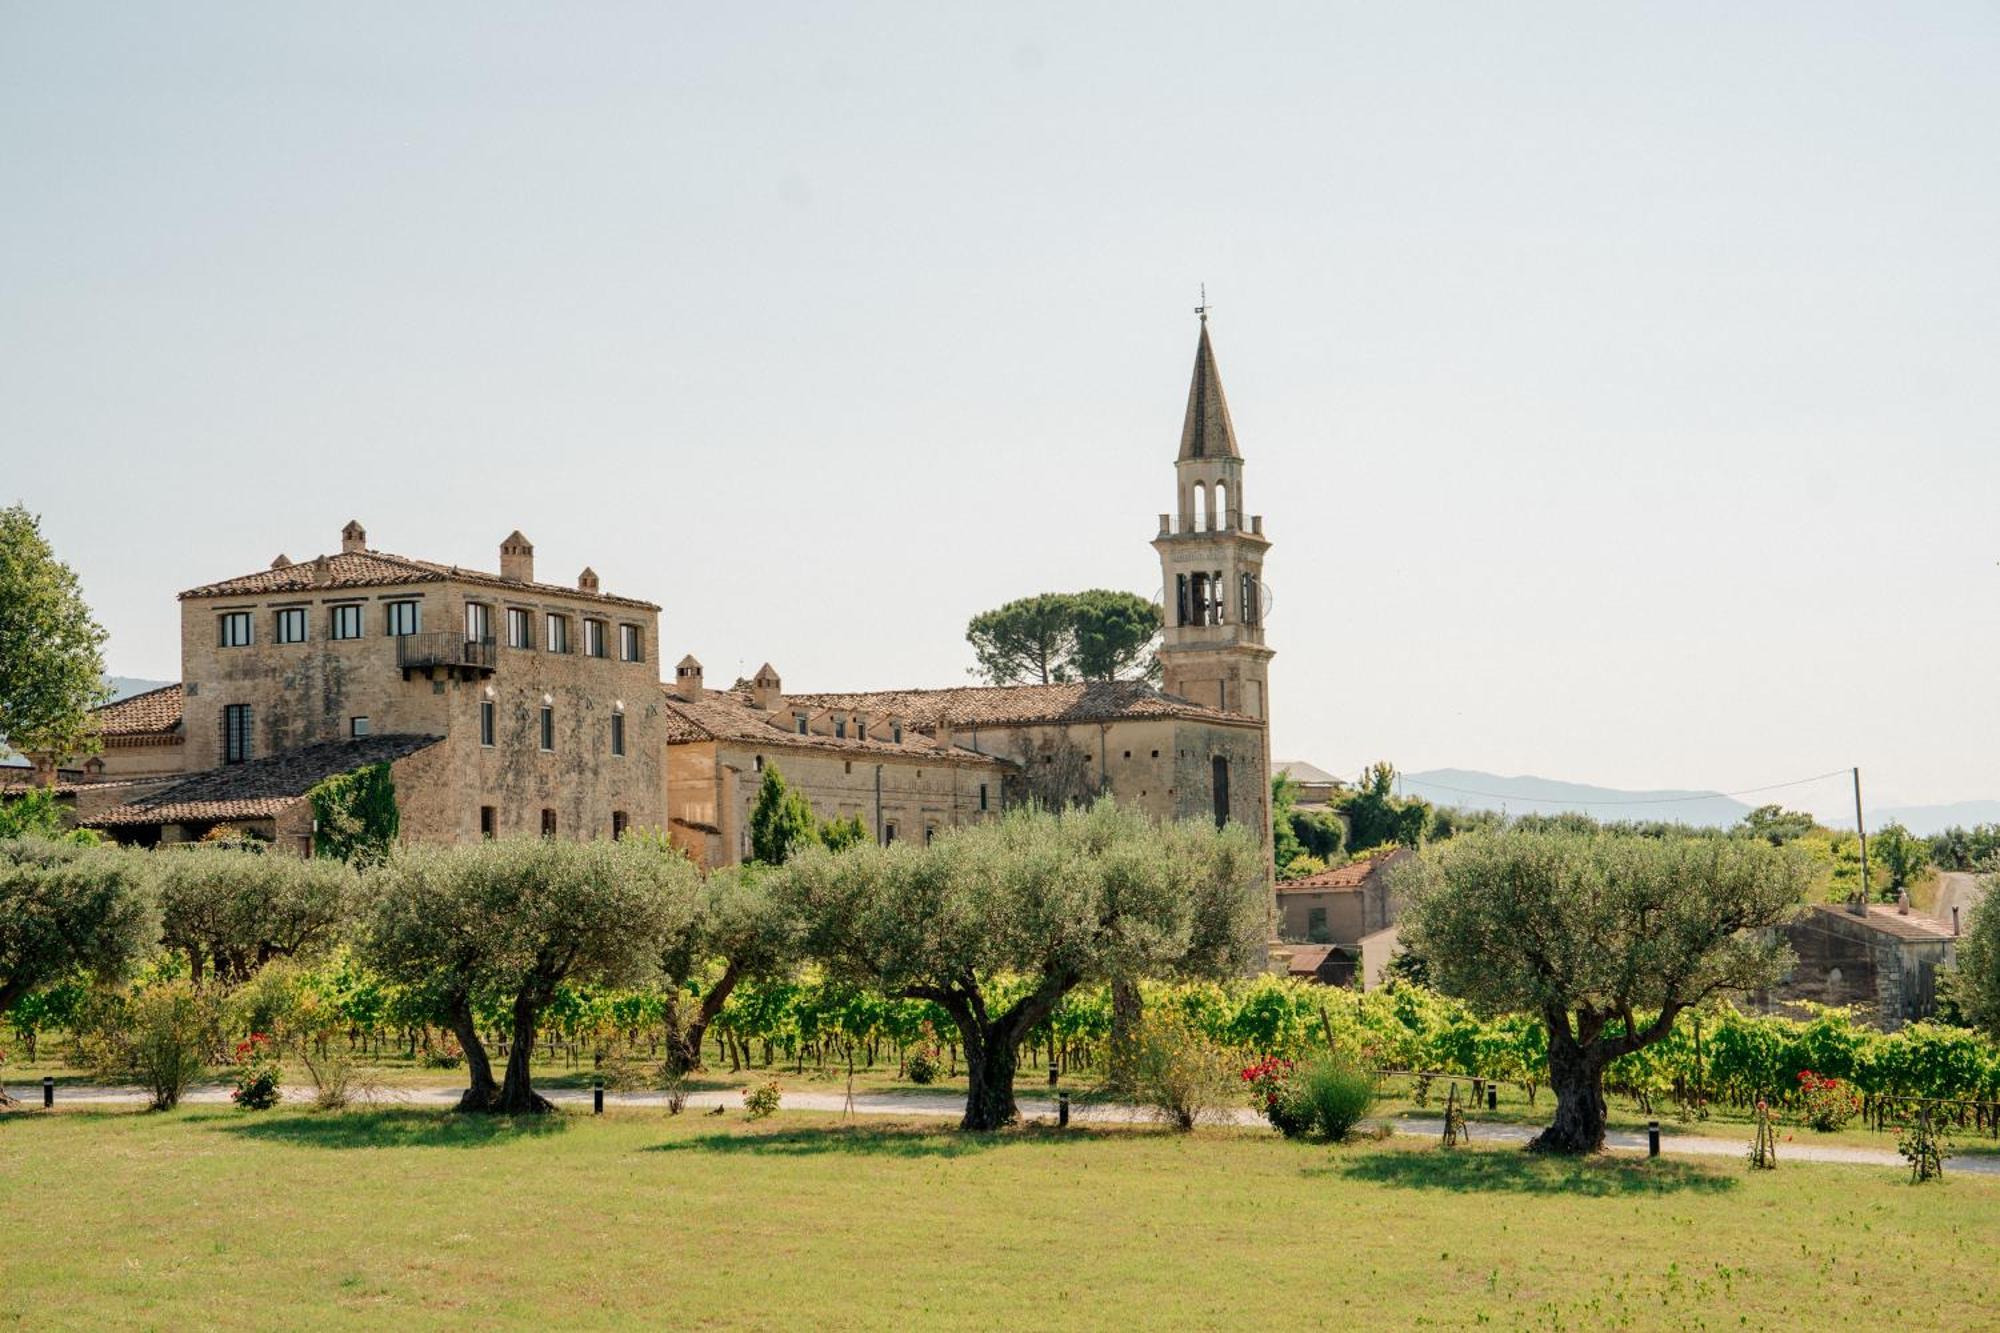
1662, 800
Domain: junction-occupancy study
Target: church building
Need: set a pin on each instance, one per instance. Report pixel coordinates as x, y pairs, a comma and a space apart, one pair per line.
1199, 747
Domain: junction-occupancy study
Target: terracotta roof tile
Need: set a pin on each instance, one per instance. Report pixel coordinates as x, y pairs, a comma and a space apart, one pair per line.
1020, 705
377, 569
156, 712
261, 787
722, 715
1351, 876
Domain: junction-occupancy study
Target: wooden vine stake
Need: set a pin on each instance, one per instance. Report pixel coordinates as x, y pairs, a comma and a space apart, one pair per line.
1454, 1119
1764, 1152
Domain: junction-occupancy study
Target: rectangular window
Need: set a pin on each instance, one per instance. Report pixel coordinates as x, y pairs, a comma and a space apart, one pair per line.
343, 622
982, 796
1181, 586
235, 733
357, 727
888, 834
617, 825
548, 823
801, 721
595, 642
478, 622
291, 625
233, 629
548, 728
520, 628
558, 641
1220, 768
860, 731
489, 822
1246, 599
618, 733
631, 647
402, 619
486, 723
840, 727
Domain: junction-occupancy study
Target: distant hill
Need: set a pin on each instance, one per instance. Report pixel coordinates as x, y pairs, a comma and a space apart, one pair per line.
1472, 790
124, 687
1924, 820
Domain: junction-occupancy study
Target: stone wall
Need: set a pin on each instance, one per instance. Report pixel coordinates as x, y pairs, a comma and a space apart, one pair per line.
712, 788
312, 691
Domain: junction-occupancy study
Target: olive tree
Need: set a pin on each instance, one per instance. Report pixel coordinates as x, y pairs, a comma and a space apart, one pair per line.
1606, 937
508, 924
67, 908
1057, 899
1975, 981
734, 930
231, 911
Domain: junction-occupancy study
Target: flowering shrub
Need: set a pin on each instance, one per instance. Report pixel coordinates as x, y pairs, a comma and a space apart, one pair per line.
1825, 1103
1327, 1096
926, 1062
762, 1100
256, 1074
1181, 1072
1271, 1093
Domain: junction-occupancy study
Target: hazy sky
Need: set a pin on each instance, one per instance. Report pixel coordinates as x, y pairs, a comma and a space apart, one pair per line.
1618, 383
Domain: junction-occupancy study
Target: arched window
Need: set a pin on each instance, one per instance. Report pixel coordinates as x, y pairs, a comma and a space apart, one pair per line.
1221, 505
1200, 505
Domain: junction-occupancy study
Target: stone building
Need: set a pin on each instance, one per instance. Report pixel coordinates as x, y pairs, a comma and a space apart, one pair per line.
1342, 905
849, 762
540, 701
1885, 960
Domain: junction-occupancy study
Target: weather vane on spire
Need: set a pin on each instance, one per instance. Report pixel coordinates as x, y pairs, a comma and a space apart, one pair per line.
1202, 309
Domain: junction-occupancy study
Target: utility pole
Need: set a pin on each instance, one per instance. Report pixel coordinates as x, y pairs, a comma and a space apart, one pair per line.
1861, 827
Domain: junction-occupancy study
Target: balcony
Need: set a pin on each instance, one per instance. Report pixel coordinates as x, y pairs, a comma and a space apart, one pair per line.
455, 653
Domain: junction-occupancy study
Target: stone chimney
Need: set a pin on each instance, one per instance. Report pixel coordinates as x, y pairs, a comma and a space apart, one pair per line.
322, 571
766, 690
587, 581
282, 562
941, 733
517, 558
353, 537
687, 678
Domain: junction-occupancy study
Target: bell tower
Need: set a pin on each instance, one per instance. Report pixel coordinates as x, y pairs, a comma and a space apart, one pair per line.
1212, 561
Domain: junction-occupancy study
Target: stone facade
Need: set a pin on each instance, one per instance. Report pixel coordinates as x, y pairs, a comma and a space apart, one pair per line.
1342, 905
1886, 962
543, 699
900, 782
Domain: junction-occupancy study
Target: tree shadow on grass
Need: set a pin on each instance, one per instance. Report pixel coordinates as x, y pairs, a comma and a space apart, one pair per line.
1475, 1171
392, 1127
865, 1141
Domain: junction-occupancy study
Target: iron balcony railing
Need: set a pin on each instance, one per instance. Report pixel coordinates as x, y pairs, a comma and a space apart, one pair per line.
444, 650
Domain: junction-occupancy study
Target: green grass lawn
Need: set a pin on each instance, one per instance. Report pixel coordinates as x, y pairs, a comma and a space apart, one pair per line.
221, 1217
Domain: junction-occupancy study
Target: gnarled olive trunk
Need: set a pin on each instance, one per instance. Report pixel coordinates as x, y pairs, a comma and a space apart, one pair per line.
483, 1091
992, 1045
517, 1096
989, 1075
684, 1048
1576, 1073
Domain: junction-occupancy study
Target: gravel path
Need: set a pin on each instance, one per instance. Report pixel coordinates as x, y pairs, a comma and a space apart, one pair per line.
946, 1105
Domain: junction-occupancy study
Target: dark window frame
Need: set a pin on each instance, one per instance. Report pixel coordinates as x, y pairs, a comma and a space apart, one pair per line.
228, 624
294, 616
239, 733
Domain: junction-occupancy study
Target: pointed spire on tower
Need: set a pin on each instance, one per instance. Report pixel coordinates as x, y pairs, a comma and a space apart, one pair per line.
1207, 432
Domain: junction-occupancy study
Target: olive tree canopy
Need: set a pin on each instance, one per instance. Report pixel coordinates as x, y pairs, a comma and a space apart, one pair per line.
1058, 899
1606, 937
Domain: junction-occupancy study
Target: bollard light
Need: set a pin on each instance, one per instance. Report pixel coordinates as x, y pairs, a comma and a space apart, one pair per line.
1053, 1073
1652, 1138
1492, 1096
48, 1092
597, 1096
1062, 1111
